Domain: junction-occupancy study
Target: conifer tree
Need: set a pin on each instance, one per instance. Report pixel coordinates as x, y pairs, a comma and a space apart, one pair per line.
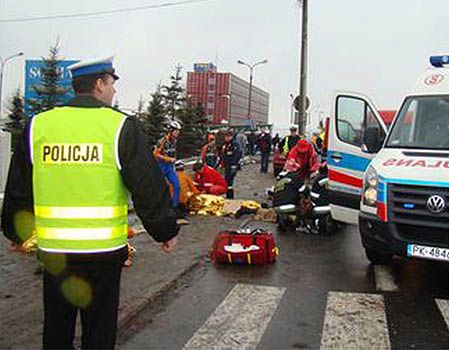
174, 95
50, 92
16, 117
154, 119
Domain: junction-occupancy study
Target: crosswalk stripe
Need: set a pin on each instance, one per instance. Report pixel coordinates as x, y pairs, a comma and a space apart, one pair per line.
384, 278
443, 305
355, 321
240, 320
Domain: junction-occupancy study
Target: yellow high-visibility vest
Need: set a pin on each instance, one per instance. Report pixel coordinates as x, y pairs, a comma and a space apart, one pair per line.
80, 201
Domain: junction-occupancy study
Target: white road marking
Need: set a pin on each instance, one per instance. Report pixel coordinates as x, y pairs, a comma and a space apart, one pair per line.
443, 305
240, 320
384, 278
355, 321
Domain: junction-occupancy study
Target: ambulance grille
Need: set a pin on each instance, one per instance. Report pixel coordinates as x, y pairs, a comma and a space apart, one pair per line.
407, 205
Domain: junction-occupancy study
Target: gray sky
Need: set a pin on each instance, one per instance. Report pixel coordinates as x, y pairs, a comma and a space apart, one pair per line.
375, 47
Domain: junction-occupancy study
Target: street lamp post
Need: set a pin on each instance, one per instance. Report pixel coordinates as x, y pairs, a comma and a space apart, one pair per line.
2, 66
251, 68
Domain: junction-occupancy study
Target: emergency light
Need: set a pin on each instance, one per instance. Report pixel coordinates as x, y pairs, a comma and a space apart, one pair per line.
439, 61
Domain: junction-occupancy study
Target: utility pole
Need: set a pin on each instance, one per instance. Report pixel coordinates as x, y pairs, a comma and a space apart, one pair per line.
303, 73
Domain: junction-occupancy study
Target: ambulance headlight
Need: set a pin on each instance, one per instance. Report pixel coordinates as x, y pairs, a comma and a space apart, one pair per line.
369, 193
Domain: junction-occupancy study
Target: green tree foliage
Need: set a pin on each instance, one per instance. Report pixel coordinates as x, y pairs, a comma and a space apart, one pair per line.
154, 118
173, 95
49, 92
169, 102
16, 118
193, 131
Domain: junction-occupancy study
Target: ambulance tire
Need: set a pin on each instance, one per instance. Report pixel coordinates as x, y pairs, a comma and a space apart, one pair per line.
377, 258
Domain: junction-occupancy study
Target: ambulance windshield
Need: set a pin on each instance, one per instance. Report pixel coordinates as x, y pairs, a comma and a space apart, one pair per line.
423, 122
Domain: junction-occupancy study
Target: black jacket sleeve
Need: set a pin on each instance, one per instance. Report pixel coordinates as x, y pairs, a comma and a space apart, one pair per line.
148, 188
18, 198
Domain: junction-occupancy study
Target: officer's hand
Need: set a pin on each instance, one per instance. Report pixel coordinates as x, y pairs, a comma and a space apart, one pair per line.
168, 246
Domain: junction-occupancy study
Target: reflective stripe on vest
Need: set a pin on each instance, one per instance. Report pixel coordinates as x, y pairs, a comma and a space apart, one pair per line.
80, 212
75, 234
286, 148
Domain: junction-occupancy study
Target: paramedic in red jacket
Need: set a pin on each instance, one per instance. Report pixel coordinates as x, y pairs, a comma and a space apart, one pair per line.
302, 158
208, 180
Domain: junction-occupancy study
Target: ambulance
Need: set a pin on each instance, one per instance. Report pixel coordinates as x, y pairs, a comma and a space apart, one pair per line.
394, 183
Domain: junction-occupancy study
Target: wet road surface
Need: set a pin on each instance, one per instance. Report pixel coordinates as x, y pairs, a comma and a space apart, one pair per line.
322, 292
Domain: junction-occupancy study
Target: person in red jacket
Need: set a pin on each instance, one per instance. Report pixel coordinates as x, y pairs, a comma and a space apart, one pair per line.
302, 158
208, 180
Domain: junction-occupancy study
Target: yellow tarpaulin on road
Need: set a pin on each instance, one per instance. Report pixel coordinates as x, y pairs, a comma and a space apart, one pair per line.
206, 204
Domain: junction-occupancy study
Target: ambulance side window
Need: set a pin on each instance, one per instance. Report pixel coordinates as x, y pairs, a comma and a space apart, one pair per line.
350, 118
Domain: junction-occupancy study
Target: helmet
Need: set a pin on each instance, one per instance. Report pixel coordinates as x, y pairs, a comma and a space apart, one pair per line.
293, 128
179, 165
174, 125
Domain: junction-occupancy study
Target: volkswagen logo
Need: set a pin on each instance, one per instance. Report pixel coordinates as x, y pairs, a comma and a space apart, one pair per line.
436, 204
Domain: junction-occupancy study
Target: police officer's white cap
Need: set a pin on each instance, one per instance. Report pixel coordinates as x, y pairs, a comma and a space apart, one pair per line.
94, 66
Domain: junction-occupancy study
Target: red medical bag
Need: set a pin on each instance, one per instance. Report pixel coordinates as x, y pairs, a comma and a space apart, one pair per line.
244, 248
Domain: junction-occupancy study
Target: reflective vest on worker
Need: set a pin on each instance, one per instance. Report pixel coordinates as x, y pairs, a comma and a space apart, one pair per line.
80, 201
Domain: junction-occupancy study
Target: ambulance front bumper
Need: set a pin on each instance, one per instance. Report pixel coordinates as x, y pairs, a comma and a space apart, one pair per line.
379, 236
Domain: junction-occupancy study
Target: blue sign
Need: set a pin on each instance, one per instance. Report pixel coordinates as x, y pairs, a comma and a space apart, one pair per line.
33, 77
204, 67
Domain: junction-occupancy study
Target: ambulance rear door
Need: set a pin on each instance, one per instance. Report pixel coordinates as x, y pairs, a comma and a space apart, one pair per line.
356, 134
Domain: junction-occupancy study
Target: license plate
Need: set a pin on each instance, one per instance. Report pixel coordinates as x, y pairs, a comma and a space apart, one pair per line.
422, 251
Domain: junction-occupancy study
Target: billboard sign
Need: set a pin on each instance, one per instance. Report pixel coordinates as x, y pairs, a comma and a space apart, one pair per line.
33, 77
204, 67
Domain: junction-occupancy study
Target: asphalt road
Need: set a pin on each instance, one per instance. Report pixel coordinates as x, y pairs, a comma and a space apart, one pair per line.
322, 292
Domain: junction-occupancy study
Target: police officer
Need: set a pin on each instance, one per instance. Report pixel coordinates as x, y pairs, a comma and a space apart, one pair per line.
69, 180
289, 141
231, 155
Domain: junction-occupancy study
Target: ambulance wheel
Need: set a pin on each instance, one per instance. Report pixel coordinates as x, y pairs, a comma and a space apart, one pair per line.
377, 258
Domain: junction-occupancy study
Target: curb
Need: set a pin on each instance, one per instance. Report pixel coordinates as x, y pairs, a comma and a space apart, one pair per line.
124, 320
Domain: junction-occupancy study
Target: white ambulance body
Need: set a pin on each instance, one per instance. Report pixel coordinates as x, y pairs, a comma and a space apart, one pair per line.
394, 184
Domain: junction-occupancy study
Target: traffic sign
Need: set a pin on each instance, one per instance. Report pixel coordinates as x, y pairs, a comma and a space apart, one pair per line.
297, 102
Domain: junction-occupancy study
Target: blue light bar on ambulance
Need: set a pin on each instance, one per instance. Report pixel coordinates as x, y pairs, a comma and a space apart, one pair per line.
439, 61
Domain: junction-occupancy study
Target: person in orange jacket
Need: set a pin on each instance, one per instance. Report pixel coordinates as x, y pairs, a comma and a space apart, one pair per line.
210, 153
165, 153
188, 188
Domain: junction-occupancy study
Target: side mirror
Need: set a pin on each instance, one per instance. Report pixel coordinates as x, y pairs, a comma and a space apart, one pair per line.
372, 141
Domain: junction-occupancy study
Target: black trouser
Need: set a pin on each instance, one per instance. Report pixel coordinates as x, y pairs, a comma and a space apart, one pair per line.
94, 290
264, 162
230, 173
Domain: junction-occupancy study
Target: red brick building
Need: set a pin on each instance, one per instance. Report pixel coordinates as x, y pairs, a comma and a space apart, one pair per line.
224, 97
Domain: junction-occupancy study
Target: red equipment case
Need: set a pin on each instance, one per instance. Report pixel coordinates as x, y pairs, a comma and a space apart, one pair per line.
244, 248
278, 161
